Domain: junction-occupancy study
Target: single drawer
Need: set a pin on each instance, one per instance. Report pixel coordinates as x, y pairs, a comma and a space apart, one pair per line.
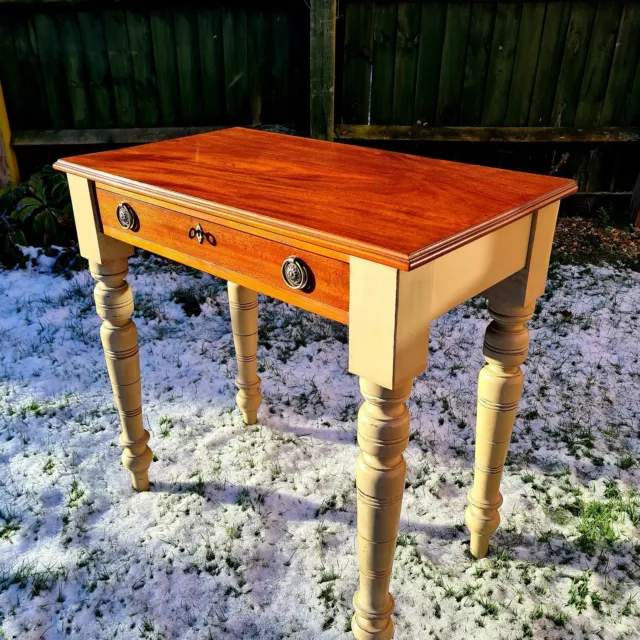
313, 282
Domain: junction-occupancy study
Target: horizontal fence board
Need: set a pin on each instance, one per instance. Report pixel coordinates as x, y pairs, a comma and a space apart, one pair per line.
489, 134
26, 138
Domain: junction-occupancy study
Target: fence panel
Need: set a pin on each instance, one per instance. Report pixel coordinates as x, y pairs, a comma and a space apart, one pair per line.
96, 66
498, 64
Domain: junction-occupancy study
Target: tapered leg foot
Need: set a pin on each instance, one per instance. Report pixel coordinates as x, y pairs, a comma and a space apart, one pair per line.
114, 304
383, 434
243, 306
499, 390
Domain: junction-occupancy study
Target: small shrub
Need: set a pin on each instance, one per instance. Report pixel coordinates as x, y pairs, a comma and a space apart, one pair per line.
35, 213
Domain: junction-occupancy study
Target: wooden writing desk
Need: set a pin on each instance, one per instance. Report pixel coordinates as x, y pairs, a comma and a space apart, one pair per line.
383, 242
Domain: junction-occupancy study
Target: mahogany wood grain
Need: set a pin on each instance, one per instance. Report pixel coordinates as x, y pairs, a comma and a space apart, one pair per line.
392, 208
230, 253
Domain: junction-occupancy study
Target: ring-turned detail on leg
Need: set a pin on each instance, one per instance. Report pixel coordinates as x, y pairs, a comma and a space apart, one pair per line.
243, 306
114, 304
383, 434
499, 389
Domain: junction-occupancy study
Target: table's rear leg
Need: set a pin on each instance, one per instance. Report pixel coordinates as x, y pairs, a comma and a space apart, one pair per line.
499, 389
243, 306
114, 304
511, 305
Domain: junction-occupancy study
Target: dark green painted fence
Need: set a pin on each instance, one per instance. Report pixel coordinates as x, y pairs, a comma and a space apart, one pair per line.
564, 77
517, 64
551, 87
72, 66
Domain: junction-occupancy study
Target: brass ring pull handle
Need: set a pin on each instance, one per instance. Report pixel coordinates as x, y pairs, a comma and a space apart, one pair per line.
295, 273
127, 217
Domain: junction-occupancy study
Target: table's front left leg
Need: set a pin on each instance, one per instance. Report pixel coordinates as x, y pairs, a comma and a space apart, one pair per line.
383, 435
389, 315
114, 304
243, 307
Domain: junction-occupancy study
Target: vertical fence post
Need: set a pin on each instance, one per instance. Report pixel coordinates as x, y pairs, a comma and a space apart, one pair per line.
323, 68
8, 163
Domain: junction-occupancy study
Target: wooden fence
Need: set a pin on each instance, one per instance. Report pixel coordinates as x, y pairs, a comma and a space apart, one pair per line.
88, 72
563, 77
540, 86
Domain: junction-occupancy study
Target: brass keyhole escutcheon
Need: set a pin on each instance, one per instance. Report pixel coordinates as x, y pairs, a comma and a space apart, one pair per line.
295, 273
201, 235
197, 232
127, 217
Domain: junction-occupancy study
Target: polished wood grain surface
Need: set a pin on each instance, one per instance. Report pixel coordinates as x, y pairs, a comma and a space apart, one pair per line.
230, 253
392, 208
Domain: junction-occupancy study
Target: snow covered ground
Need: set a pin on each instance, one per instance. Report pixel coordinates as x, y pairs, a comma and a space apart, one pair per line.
249, 532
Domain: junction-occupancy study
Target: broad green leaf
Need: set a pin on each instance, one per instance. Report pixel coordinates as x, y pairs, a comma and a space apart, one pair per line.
17, 237
25, 212
49, 223
39, 223
36, 184
25, 201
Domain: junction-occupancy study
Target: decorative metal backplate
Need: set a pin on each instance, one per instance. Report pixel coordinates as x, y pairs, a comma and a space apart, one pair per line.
126, 216
295, 273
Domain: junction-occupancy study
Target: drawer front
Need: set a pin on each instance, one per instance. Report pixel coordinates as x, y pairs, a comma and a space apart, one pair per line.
227, 252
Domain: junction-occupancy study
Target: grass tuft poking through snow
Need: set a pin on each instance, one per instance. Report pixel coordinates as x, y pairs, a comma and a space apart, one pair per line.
249, 532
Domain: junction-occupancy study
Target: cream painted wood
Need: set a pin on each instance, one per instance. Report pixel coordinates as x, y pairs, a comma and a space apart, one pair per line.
114, 304
383, 435
526, 285
499, 389
94, 245
511, 305
473, 268
243, 306
389, 313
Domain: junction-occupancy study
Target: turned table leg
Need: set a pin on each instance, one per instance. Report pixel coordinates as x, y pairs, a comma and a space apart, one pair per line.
499, 389
383, 434
114, 304
243, 305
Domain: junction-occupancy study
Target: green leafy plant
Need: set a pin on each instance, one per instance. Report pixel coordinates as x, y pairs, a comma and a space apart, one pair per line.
35, 213
47, 203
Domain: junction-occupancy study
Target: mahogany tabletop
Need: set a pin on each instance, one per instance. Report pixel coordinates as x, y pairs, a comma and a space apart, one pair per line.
395, 208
